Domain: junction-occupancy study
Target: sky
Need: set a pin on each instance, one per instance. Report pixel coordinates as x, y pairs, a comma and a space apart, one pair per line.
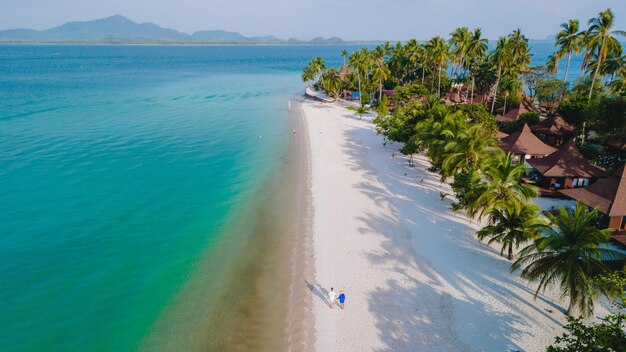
349, 19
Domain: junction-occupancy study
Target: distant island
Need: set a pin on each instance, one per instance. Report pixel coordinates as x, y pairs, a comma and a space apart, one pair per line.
118, 29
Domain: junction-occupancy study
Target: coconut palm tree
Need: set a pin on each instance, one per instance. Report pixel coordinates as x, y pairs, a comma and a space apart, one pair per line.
439, 53
358, 62
331, 82
468, 146
511, 225
500, 58
414, 53
503, 186
520, 54
618, 85
313, 69
476, 49
459, 41
381, 71
344, 54
600, 40
552, 64
568, 41
307, 74
569, 256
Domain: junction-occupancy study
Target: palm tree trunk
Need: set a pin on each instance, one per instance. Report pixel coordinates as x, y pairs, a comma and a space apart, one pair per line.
569, 57
495, 92
595, 74
504, 108
423, 74
472, 99
439, 83
510, 251
358, 76
380, 90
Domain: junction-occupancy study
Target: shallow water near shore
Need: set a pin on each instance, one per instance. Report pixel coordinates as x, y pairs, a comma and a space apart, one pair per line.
151, 197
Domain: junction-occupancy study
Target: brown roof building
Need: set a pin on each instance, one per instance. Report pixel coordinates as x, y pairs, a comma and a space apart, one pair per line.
565, 168
525, 145
553, 130
500, 134
608, 195
513, 114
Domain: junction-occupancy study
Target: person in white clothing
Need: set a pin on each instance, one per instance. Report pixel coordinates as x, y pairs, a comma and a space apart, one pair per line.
331, 297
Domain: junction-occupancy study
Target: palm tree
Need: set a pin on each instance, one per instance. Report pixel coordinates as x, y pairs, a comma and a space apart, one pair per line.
618, 85
466, 147
600, 40
476, 49
569, 256
331, 81
552, 64
313, 69
511, 225
357, 62
307, 74
439, 53
414, 53
459, 41
344, 54
501, 58
381, 71
503, 186
568, 41
520, 54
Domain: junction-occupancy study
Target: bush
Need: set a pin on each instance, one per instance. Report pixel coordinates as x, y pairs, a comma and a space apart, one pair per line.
529, 117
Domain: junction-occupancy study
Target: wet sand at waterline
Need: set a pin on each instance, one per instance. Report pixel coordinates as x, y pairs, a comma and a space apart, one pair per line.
256, 300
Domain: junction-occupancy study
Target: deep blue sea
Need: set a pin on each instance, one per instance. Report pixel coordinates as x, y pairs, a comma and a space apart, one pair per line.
118, 168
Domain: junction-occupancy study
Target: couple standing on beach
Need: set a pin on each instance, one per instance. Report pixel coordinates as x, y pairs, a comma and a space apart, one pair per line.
332, 298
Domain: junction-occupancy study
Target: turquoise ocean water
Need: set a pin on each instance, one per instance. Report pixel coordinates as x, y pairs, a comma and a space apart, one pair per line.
118, 168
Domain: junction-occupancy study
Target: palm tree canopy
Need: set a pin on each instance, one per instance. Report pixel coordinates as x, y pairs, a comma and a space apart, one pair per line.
512, 224
459, 42
501, 56
568, 39
600, 37
503, 185
476, 49
569, 256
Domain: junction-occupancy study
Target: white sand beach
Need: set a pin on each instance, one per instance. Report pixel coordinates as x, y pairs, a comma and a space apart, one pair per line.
415, 276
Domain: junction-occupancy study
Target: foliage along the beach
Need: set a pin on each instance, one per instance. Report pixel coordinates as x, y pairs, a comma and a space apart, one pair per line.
460, 140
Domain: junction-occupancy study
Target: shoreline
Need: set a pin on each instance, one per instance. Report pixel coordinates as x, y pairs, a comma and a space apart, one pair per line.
416, 277
244, 294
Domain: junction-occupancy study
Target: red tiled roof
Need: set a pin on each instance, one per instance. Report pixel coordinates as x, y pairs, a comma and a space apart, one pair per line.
566, 162
513, 114
525, 142
554, 125
608, 194
344, 71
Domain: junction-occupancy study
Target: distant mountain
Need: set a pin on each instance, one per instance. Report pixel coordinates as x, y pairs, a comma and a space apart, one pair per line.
118, 28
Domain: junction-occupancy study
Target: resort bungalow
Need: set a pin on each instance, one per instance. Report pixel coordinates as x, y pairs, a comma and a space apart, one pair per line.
512, 114
554, 130
565, 168
608, 195
524, 145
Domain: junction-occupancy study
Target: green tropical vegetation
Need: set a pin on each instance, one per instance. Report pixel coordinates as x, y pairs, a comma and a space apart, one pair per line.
446, 95
569, 255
